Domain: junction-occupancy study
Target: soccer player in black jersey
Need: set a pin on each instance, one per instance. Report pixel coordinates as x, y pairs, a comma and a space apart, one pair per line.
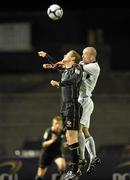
71, 77
52, 149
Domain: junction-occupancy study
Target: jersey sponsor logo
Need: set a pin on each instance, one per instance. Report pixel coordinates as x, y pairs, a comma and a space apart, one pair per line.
68, 123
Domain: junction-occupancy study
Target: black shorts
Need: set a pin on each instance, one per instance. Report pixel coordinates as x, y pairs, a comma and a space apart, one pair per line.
71, 113
46, 158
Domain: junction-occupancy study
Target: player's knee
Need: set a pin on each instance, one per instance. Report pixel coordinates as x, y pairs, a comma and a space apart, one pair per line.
61, 165
62, 168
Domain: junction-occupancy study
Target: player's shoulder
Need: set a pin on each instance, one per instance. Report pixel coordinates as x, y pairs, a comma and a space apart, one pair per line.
91, 65
96, 66
78, 69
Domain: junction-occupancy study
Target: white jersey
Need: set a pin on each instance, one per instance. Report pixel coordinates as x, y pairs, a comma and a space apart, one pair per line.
91, 72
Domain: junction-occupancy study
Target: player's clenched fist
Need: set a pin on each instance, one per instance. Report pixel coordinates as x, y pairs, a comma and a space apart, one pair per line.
54, 83
47, 66
42, 54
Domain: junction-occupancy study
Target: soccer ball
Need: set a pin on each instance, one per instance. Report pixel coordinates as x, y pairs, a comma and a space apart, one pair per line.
55, 12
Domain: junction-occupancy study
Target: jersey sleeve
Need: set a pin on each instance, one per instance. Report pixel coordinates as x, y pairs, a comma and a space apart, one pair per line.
50, 59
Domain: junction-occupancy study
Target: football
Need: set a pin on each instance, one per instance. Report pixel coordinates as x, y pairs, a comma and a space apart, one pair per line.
55, 12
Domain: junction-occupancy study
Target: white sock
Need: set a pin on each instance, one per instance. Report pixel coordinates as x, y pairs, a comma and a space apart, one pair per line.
82, 145
90, 145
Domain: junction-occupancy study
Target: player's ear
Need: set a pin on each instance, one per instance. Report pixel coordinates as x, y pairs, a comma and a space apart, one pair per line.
73, 59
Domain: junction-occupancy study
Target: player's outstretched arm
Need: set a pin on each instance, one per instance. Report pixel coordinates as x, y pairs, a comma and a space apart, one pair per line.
59, 64
43, 54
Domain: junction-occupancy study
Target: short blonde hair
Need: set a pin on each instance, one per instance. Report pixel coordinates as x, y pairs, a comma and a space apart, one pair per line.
76, 55
56, 118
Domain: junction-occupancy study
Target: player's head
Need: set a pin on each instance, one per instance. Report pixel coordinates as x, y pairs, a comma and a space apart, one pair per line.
89, 54
57, 123
72, 57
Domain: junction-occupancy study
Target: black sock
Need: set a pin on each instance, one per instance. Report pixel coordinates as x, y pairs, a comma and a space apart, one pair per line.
58, 177
74, 149
38, 178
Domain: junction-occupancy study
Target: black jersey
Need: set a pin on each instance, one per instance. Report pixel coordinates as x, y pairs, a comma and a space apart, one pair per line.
56, 146
70, 108
70, 83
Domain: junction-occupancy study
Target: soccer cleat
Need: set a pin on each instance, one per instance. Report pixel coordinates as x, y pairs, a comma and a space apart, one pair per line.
70, 174
82, 162
92, 166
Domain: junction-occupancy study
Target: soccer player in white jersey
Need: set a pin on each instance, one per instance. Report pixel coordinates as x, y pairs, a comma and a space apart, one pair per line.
91, 71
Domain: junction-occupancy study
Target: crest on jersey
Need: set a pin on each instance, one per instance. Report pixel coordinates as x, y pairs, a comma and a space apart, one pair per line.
77, 71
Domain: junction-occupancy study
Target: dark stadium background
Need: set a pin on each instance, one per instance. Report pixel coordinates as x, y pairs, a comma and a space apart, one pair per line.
27, 102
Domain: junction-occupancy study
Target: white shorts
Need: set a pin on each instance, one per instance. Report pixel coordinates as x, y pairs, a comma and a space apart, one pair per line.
88, 107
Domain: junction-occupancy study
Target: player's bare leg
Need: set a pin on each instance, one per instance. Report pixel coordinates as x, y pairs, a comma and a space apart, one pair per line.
40, 173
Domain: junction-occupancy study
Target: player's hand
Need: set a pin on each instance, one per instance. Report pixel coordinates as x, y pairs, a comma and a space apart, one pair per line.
54, 137
42, 54
54, 83
47, 66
